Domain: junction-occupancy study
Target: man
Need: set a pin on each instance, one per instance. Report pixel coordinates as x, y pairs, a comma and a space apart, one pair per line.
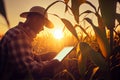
17, 61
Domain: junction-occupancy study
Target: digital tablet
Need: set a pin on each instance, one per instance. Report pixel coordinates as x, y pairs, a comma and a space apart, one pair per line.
63, 53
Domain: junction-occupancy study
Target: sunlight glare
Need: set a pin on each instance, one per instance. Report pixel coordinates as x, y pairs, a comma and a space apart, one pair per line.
58, 34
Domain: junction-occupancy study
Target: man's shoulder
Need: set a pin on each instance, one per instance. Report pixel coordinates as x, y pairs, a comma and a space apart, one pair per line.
15, 33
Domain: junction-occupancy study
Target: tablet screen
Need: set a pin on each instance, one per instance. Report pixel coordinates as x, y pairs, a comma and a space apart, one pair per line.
63, 53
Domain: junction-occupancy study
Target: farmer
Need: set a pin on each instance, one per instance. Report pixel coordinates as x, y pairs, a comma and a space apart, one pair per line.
17, 61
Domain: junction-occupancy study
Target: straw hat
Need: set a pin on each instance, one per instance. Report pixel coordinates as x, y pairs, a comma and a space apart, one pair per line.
40, 10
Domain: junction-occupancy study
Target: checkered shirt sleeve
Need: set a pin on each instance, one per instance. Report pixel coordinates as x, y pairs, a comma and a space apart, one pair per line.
20, 53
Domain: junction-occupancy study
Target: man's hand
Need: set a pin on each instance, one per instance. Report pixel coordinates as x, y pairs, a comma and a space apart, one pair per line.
52, 67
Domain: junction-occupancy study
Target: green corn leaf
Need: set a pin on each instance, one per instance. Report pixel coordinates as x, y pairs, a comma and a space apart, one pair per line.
82, 59
75, 4
89, 3
82, 64
87, 11
108, 10
75, 9
3, 11
66, 1
100, 23
70, 27
101, 39
94, 72
94, 56
66, 7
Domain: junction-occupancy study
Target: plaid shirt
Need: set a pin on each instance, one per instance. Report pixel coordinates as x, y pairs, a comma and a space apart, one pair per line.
16, 54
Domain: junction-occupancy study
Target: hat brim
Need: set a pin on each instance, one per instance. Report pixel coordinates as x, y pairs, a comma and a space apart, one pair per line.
48, 23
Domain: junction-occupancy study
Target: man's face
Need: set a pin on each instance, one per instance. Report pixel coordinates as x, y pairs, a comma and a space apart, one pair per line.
38, 23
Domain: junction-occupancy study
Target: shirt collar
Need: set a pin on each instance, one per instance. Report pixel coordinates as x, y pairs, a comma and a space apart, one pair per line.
31, 34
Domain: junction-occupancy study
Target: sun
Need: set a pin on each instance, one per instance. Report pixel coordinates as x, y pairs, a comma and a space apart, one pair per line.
58, 33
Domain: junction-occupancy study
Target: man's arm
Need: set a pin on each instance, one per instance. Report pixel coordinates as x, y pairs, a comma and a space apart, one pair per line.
21, 55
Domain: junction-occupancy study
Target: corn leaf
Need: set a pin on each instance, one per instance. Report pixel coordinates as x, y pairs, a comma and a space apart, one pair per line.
3, 11
108, 10
75, 9
82, 60
66, 1
75, 4
94, 72
100, 23
70, 27
94, 56
101, 39
87, 11
66, 7
89, 3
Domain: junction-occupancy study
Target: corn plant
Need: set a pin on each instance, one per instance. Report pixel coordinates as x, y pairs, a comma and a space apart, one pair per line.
108, 11
84, 50
3, 12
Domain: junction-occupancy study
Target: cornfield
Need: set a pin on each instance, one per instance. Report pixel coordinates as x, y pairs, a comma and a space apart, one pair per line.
95, 57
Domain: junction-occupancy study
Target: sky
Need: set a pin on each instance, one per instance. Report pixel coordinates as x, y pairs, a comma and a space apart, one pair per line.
15, 7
